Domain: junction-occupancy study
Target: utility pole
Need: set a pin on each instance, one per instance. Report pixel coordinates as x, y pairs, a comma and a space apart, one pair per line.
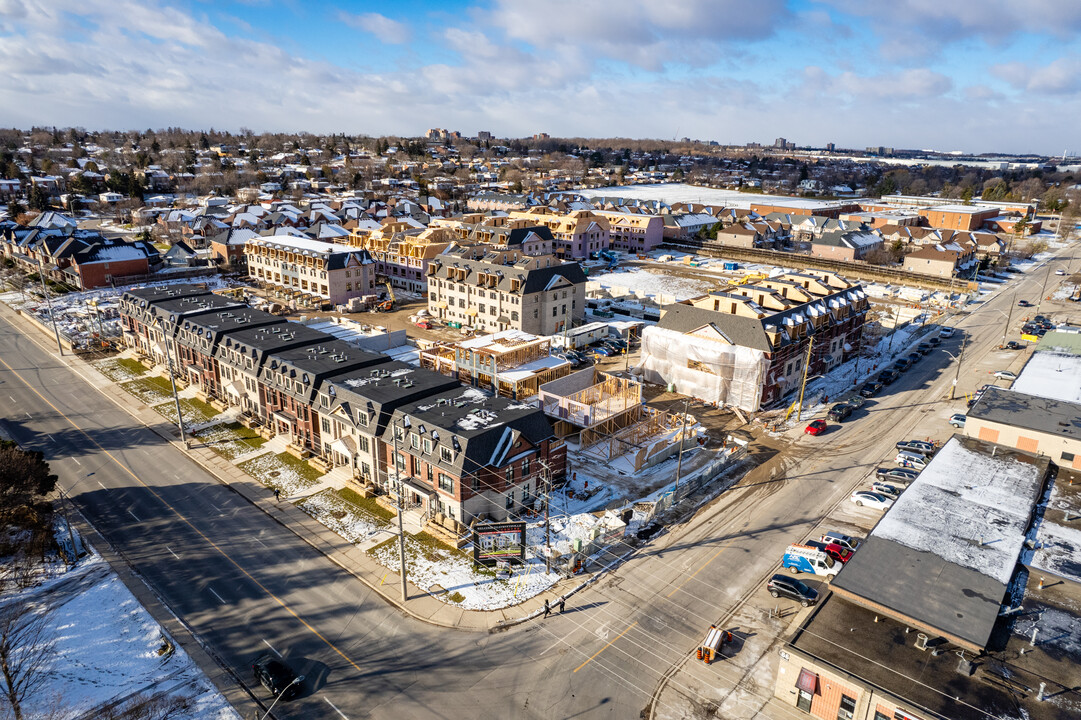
1043, 288
682, 437
859, 351
547, 475
1009, 316
957, 374
896, 317
803, 382
49, 302
172, 381
401, 526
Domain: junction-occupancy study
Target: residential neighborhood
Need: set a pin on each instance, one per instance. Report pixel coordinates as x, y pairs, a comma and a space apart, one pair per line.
539, 360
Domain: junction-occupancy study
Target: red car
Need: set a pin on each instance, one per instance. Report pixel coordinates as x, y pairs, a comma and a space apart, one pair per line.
816, 427
838, 553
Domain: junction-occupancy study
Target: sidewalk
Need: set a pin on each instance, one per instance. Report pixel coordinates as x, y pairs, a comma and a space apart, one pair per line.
420, 604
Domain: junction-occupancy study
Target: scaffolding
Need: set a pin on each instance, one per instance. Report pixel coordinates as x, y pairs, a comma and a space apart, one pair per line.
592, 400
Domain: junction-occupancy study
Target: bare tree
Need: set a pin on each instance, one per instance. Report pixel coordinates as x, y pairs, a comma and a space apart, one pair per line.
25, 647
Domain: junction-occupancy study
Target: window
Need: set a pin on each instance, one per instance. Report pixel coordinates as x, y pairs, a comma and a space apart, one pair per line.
427, 445
510, 500
525, 467
879, 715
554, 311
803, 701
445, 454
446, 482
475, 484
1068, 457
326, 425
534, 314
847, 709
414, 441
510, 474
365, 469
399, 462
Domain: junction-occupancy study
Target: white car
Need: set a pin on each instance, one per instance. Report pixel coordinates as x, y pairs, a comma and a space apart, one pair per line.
946, 332
912, 460
958, 420
871, 499
1060, 271
1005, 375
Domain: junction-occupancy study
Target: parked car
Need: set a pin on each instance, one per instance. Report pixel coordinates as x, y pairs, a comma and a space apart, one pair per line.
890, 491
914, 357
616, 342
782, 586
605, 351
897, 474
912, 460
277, 677
845, 541
958, 420
815, 427
888, 376
902, 364
917, 446
1060, 271
839, 412
946, 332
1005, 375
1041, 319
856, 402
1024, 303
866, 498
870, 389
934, 342
923, 348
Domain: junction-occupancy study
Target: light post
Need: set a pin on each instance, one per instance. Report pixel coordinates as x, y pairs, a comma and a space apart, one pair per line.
1043, 288
682, 432
957, 359
398, 492
172, 381
49, 302
297, 679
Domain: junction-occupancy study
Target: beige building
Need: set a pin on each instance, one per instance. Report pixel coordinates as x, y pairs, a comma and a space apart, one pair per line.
492, 290
576, 234
1033, 424
310, 272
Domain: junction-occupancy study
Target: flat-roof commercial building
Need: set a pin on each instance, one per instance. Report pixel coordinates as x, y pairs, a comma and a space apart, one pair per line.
1031, 423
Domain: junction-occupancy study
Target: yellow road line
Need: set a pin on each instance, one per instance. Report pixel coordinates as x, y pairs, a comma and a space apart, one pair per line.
691, 577
185, 520
617, 637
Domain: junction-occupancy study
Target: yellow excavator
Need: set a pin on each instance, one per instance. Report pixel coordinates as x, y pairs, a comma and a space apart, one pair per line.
388, 304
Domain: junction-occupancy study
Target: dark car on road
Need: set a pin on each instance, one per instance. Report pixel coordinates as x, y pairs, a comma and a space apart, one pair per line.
277, 677
934, 342
888, 376
1013, 345
839, 412
923, 348
914, 357
898, 474
870, 389
1024, 303
782, 586
902, 364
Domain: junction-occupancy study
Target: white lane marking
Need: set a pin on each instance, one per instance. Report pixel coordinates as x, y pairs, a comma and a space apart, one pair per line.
272, 648
219, 597
258, 541
76, 461
29, 416
133, 515
560, 641
102, 486
171, 551
335, 708
49, 436
11, 398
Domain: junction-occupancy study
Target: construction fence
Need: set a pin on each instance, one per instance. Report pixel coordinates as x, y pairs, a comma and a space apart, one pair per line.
726, 459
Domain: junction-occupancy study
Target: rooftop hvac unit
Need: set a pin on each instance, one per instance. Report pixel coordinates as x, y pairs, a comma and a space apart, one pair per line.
921, 641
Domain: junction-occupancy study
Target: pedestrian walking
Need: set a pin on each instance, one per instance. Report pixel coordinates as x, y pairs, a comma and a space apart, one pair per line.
562, 605
547, 609
277, 495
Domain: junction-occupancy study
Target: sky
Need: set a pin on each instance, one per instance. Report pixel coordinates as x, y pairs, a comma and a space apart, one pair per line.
948, 75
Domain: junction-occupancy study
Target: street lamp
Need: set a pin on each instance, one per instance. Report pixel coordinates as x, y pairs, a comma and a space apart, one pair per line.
957, 359
172, 381
49, 302
297, 679
401, 528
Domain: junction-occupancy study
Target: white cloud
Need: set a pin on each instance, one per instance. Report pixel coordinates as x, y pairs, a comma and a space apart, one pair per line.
1061, 76
386, 29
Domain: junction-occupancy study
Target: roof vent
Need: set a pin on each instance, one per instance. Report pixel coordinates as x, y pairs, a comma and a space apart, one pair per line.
921, 641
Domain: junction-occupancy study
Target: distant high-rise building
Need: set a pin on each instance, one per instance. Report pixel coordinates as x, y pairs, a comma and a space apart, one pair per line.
542, 136
484, 135
830, 147
780, 143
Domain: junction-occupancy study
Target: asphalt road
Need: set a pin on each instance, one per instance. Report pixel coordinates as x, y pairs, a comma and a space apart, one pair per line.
246, 585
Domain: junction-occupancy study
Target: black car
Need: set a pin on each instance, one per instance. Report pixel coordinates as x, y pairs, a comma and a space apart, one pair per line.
839, 412
896, 474
923, 348
781, 585
888, 376
934, 342
1014, 345
914, 357
277, 677
870, 389
902, 364
1024, 303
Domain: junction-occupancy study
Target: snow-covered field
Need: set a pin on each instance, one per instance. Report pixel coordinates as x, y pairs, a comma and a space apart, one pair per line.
654, 282
342, 517
107, 647
681, 192
275, 472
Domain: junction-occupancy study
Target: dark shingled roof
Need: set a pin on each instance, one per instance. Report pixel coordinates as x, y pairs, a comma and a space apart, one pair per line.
743, 331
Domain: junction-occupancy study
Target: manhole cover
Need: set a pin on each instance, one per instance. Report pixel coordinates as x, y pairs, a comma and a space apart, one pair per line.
274, 473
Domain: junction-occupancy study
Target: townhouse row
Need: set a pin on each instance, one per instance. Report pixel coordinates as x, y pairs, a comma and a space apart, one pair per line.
443, 448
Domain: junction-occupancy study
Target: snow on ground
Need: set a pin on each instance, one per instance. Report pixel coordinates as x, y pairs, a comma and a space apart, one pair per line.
429, 565
648, 282
272, 471
115, 371
670, 193
1064, 291
969, 508
192, 414
342, 517
146, 392
108, 646
227, 441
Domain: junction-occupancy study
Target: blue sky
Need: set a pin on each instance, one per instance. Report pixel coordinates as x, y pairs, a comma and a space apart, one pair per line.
971, 75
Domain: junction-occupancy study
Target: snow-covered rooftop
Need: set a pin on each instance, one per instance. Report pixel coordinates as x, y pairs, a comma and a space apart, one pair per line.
969, 507
1051, 374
